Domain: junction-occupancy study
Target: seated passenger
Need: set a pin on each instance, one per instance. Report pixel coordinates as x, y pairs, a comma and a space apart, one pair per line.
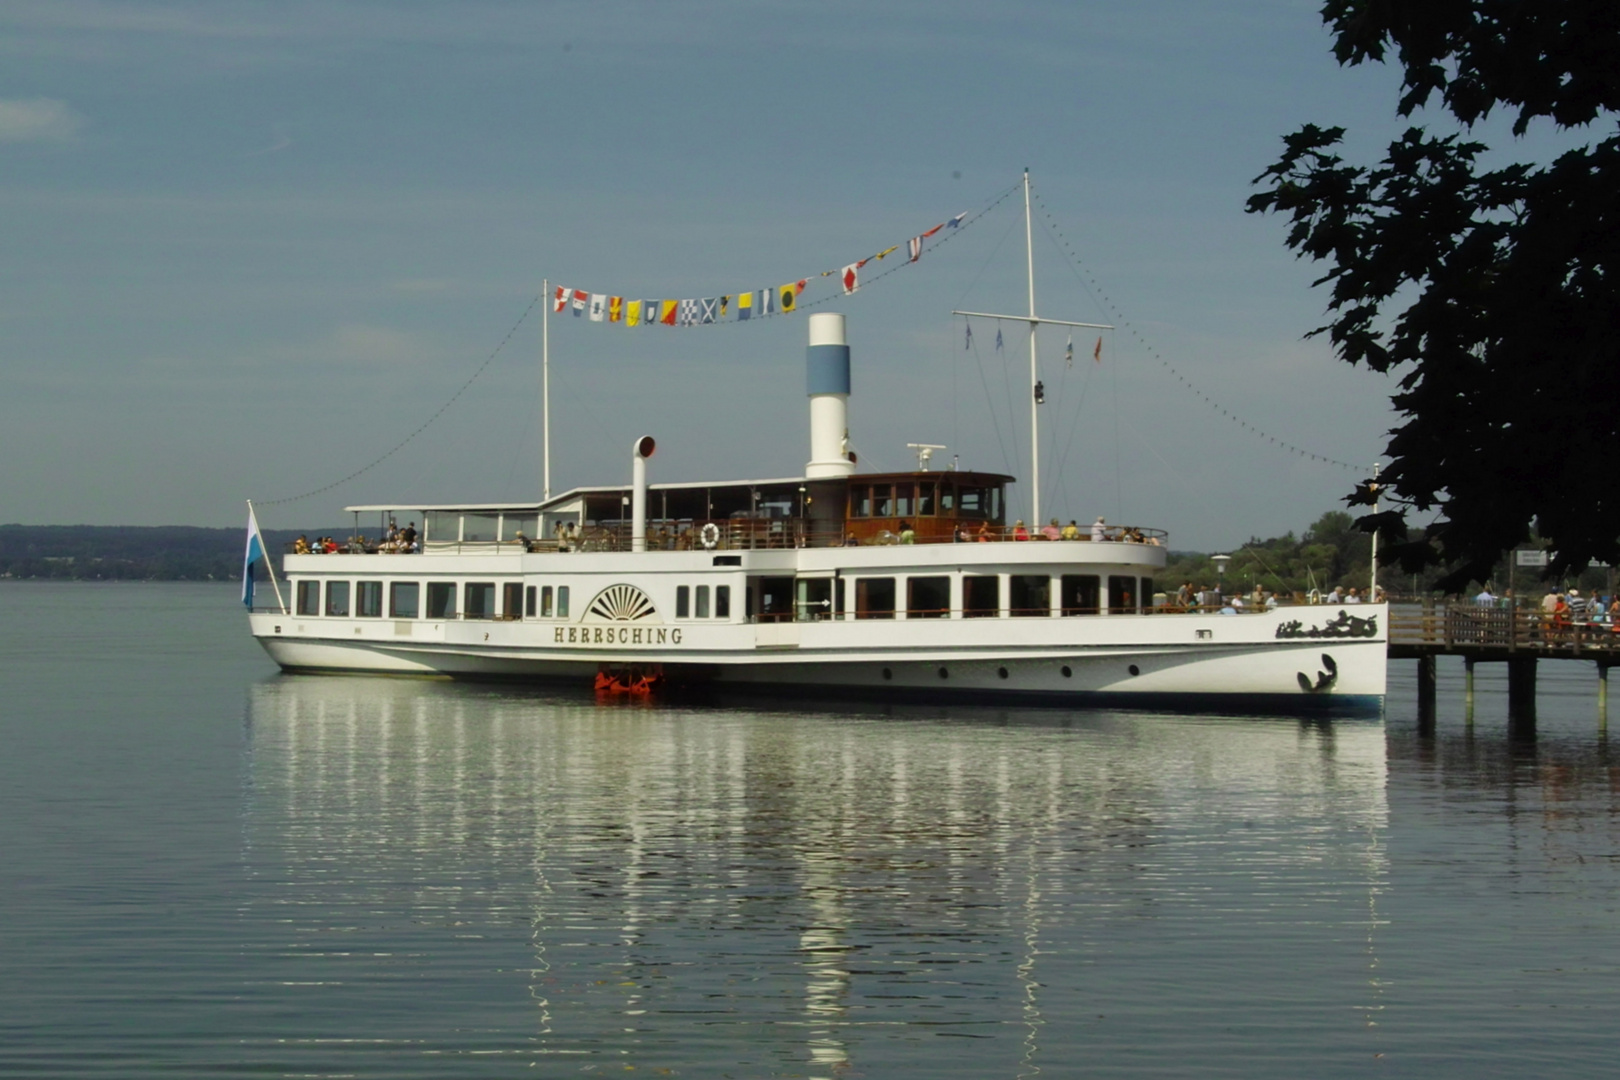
301, 545
851, 541
985, 536
1019, 532
1071, 531
907, 536
962, 535
1099, 531
407, 538
1051, 531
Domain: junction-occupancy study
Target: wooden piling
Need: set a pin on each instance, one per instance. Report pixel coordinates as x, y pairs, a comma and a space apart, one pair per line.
1603, 697
1468, 690
1522, 694
1426, 690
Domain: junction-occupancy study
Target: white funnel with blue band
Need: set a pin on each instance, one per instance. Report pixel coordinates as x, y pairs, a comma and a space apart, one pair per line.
827, 382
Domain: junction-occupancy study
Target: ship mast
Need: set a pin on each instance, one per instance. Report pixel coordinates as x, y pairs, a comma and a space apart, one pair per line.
545, 390
1035, 396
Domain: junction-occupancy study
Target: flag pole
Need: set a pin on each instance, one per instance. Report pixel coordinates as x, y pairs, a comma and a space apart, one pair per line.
269, 563
1034, 375
545, 390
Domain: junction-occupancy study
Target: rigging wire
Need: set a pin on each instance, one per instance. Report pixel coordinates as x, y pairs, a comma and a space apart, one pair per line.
1089, 283
425, 424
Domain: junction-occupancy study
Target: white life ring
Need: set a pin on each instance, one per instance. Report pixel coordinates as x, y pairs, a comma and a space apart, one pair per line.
710, 536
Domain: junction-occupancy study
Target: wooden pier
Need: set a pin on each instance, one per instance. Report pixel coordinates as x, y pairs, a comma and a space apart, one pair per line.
1511, 635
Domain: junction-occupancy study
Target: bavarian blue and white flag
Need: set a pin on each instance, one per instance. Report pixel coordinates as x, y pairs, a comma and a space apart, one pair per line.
255, 552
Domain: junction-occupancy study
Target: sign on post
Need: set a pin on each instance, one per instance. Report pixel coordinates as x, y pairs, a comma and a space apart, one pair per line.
1530, 557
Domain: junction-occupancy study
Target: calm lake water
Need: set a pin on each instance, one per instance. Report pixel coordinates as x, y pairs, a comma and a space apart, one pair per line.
210, 869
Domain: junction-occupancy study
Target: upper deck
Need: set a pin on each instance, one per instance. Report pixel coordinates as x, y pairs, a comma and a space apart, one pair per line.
883, 509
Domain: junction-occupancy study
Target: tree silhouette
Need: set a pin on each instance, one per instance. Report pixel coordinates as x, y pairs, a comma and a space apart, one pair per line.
1492, 292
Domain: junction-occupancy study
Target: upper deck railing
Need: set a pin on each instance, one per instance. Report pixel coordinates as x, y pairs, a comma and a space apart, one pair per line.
750, 534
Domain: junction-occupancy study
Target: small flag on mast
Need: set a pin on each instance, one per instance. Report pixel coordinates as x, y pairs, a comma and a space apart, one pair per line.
1068, 352
1096, 354
254, 552
968, 342
998, 339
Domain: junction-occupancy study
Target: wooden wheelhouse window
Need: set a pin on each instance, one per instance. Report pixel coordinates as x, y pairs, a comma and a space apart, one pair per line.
927, 500
947, 499
882, 501
903, 498
860, 501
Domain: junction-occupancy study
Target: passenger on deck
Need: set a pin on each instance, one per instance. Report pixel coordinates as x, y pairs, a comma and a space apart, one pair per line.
407, 539
301, 545
961, 535
1051, 531
1099, 530
1071, 531
985, 536
329, 546
907, 535
850, 540
1019, 532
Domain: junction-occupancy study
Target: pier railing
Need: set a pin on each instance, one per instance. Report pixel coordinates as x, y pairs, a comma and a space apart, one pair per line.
1468, 628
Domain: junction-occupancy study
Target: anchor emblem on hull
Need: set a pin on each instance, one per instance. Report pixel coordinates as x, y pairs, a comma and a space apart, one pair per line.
1324, 679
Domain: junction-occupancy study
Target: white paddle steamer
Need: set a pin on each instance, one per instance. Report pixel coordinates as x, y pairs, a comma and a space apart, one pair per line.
906, 584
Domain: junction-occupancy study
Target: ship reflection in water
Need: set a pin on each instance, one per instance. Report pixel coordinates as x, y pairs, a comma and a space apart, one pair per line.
504, 876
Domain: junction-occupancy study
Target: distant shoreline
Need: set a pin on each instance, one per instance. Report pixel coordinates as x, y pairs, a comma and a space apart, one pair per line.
131, 552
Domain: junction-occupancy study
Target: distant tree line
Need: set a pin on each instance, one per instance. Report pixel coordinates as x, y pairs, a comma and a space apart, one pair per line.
1334, 551
129, 552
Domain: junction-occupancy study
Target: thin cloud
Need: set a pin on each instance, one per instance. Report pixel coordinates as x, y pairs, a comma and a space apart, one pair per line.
38, 120
283, 140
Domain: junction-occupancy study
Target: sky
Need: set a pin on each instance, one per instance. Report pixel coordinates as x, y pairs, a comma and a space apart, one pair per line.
251, 247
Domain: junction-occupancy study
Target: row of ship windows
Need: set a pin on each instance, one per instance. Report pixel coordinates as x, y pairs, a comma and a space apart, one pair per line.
930, 596
478, 600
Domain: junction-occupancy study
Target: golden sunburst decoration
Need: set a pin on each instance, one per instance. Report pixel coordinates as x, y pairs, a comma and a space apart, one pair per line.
621, 603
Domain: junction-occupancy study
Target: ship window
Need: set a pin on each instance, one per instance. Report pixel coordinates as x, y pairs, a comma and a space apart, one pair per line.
562, 601
1147, 592
972, 500
441, 527
545, 602
1121, 594
702, 605
513, 524
860, 501
1080, 592
722, 601
402, 599
528, 601
925, 499
902, 500
1030, 594
928, 597
838, 599
882, 501
478, 599
947, 499
512, 600
775, 599
337, 597
441, 600
683, 601
309, 598
368, 599
815, 599
874, 598
981, 596
995, 503
480, 526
